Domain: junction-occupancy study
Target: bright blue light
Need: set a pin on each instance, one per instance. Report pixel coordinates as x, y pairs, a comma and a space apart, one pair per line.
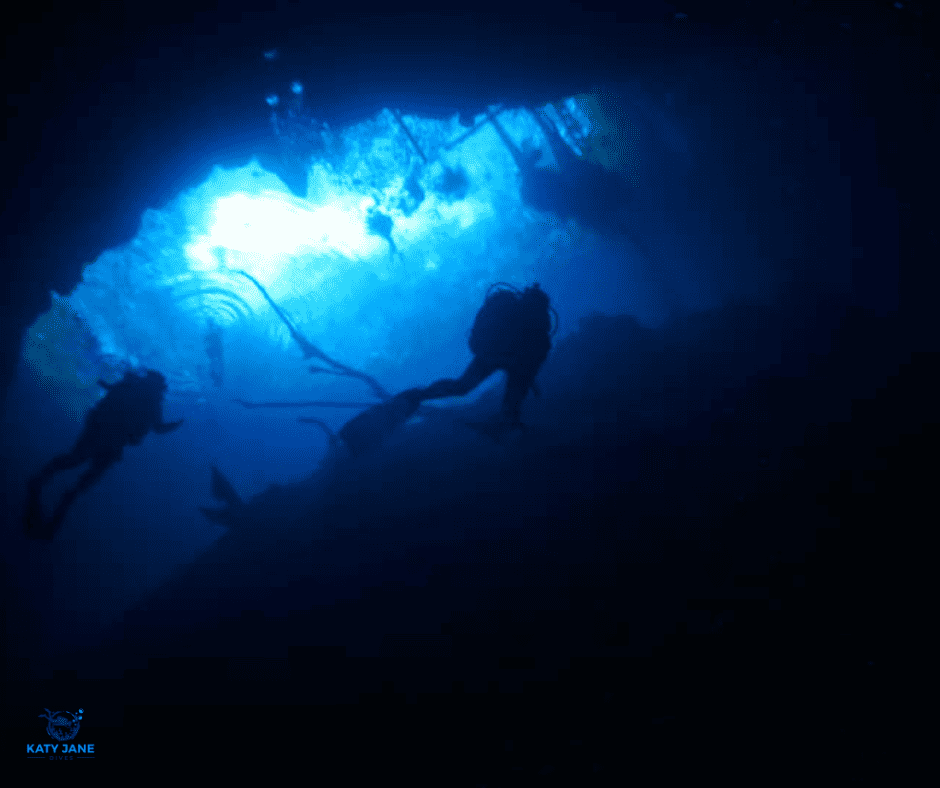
271, 224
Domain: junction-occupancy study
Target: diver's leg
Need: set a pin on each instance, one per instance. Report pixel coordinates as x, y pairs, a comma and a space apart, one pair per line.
32, 506
99, 465
478, 370
519, 381
63, 462
517, 386
80, 453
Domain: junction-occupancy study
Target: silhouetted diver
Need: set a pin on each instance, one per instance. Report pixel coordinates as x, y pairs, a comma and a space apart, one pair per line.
124, 416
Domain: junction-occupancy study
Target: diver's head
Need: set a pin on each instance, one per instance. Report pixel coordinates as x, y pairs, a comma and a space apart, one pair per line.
155, 380
534, 294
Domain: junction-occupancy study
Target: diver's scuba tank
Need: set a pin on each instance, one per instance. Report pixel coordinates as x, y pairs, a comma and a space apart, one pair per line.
493, 324
508, 314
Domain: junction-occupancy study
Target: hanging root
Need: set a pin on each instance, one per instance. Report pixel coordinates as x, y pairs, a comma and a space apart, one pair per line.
322, 425
312, 351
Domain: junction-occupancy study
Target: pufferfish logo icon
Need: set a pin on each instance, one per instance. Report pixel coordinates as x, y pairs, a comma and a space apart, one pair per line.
62, 725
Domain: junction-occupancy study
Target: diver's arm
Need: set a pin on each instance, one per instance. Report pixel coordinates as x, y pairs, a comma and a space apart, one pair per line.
163, 429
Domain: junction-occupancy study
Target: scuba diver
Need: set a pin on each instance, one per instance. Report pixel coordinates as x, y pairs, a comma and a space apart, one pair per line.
131, 409
511, 332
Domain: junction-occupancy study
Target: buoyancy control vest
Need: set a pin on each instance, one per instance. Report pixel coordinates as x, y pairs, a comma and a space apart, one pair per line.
511, 322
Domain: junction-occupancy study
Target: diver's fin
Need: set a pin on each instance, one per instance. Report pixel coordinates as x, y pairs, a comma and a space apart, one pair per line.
370, 428
222, 489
